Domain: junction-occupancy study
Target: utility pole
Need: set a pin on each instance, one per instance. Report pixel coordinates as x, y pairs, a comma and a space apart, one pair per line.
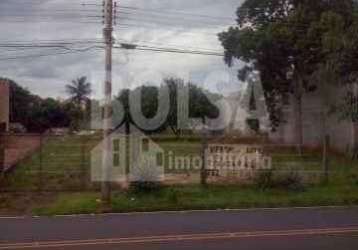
107, 116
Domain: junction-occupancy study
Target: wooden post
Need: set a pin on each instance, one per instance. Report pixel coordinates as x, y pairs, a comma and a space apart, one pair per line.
40, 173
2, 154
355, 141
83, 164
325, 157
203, 174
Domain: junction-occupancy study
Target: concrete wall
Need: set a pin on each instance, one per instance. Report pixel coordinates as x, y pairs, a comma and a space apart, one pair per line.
343, 134
17, 147
4, 104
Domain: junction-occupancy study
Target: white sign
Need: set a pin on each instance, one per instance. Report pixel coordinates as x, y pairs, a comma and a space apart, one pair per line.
224, 158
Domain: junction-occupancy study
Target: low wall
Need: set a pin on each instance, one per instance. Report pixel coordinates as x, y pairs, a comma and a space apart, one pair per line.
17, 147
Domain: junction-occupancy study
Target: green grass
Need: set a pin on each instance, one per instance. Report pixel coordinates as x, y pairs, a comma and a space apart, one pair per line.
198, 198
63, 163
66, 165
77, 203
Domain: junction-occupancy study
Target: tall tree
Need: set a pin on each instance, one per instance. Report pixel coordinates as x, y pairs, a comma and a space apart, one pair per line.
79, 91
35, 113
199, 104
283, 41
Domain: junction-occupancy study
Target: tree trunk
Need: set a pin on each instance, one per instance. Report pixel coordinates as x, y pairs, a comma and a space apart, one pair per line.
232, 125
204, 142
325, 145
355, 141
203, 174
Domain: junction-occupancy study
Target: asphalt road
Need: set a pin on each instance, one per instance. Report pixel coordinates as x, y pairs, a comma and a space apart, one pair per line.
319, 228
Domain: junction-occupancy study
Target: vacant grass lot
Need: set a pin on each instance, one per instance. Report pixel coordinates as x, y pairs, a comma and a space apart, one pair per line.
65, 162
62, 163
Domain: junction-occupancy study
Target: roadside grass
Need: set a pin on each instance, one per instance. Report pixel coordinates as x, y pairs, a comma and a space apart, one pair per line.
74, 203
199, 198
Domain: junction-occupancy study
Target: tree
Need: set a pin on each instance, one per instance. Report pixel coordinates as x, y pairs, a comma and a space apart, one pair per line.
199, 104
79, 90
282, 39
35, 113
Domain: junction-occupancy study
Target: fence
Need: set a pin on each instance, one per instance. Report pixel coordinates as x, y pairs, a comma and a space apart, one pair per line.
38, 162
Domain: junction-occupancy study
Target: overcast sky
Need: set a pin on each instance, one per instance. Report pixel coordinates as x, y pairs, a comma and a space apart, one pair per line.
34, 21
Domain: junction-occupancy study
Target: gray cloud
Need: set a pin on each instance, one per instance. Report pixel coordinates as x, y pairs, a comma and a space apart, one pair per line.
47, 76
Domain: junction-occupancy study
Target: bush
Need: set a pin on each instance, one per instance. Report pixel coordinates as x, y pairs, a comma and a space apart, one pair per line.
146, 177
145, 187
291, 182
264, 180
173, 196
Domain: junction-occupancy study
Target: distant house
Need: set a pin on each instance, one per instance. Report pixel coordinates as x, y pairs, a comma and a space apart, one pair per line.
145, 158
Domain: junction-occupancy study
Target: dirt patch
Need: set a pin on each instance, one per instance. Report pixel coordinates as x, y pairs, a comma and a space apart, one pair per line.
12, 203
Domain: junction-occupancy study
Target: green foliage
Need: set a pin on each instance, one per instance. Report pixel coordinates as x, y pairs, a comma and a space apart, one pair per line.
79, 91
199, 104
173, 195
291, 181
253, 124
264, 180
145, 187
35, 113
289, 41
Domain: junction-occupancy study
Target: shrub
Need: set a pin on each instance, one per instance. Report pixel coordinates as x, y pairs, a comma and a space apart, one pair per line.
146, 177
173, 196
264, 180
291, 182
145, 186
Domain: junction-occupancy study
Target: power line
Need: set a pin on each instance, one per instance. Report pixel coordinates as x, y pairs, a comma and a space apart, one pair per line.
42, 20
62, 44
73, 51
169, 21
175, 12
140, 42
153, 26
169, 50
46, 41
172, 19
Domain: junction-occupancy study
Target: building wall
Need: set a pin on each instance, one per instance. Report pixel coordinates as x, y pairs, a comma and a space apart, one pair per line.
343, 134
17, 147
4, 103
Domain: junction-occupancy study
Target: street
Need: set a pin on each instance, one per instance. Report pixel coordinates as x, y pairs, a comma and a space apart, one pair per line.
300, 228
